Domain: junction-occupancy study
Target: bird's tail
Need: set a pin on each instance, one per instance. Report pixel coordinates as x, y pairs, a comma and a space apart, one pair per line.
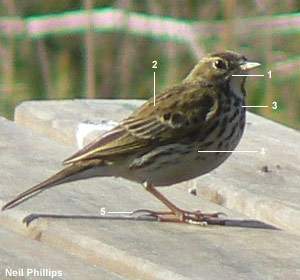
74, 172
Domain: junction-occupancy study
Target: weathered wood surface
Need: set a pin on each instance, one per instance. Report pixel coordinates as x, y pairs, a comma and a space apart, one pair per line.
257, 192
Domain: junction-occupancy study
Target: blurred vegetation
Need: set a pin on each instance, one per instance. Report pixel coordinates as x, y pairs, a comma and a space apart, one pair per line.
118, 64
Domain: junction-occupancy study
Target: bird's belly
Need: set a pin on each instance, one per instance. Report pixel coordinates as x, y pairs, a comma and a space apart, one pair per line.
177, 162
183, 169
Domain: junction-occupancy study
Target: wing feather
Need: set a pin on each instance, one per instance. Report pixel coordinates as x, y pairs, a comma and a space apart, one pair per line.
172, 117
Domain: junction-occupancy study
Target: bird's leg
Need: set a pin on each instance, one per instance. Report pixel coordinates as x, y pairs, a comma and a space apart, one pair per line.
179, 215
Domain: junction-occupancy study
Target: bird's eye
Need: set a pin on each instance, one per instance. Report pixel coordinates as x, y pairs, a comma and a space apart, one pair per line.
219, 64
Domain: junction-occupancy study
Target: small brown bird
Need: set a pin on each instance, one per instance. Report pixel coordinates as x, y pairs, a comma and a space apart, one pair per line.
158, 145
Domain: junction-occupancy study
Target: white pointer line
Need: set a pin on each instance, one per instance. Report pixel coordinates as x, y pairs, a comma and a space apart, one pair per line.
255, 106
154, 89
227, 151
248, 75
119, 212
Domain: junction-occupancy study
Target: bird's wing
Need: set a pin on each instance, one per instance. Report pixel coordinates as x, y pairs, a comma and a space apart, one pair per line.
173, 116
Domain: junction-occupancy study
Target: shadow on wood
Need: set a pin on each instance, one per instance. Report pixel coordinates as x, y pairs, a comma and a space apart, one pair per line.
220, 222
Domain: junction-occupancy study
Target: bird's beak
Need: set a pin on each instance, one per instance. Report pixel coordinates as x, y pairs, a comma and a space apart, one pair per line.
247, 66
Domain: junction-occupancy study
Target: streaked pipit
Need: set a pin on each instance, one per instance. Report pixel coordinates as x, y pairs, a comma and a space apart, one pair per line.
158, 145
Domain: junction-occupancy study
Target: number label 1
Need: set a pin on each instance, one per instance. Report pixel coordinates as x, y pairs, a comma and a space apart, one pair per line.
270, 74
154, 64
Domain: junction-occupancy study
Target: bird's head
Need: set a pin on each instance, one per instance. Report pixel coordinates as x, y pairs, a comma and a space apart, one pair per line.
219, 67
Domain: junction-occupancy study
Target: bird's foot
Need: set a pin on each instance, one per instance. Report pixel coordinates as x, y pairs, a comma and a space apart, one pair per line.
181, 216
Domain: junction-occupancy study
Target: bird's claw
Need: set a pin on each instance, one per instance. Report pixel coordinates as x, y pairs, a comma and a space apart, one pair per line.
190, 217
145, 213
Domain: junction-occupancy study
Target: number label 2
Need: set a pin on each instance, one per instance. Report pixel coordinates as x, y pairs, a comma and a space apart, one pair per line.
154, 64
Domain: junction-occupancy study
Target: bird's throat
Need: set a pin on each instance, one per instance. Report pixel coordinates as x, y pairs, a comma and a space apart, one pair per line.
237, 86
